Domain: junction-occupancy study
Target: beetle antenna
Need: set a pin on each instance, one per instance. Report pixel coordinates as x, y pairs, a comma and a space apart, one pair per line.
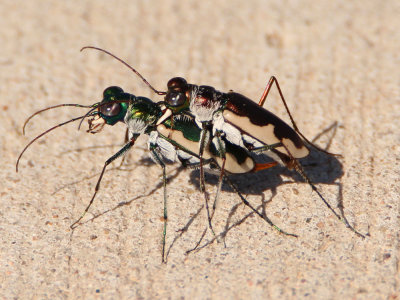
297, 166
127, 65
42, 134
48, 108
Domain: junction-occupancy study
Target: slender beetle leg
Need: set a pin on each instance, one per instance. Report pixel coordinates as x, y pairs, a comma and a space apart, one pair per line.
203, 143
126, 139
295, 162
265, 147
222, 153
296, 165
125, 148
262, 216
158, 159
262, 101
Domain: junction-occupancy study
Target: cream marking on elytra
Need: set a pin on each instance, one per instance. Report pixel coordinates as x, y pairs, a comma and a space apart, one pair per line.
178, 137
265, 134
233, 135
231, 165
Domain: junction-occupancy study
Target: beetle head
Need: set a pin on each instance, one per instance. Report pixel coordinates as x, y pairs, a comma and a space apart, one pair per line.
111, 109
177, 97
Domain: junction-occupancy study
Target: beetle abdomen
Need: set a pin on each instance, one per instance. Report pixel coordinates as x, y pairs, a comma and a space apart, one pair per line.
237, 160
263, 125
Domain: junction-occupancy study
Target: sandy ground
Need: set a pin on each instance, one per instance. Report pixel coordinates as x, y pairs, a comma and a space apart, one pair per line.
337, 61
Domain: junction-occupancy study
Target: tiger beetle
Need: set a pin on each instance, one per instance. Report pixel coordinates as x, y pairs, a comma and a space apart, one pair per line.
176, 138
240, 121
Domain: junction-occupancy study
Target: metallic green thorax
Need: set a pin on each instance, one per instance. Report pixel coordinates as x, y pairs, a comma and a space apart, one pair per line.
144, 109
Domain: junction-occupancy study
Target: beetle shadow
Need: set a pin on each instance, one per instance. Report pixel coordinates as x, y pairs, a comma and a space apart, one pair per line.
171, 176
124, 166
321, 168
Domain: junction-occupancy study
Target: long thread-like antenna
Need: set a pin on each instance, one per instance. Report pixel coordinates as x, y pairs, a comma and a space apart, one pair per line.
127, 65
48, 108
42, 134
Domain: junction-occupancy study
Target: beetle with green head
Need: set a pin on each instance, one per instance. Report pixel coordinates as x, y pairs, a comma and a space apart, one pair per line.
175, 139
240, 121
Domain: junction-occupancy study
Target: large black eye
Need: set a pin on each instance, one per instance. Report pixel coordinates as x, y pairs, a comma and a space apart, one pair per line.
110, 110
175, 99
177, 84
112, 91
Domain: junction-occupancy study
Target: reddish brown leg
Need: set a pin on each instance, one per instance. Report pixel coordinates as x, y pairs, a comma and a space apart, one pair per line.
262, 101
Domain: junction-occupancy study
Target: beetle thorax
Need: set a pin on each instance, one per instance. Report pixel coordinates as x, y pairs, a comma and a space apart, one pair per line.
205, 101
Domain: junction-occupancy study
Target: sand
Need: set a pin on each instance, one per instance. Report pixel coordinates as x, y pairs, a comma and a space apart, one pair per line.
338, 65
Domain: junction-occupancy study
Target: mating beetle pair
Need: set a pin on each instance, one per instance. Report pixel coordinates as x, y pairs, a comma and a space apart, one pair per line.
174, 139
239, 120
201, 126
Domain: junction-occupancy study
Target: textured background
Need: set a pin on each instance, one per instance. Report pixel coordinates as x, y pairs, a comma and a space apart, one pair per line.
337, 61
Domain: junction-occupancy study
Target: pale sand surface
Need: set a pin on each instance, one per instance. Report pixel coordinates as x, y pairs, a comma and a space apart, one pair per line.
337, 61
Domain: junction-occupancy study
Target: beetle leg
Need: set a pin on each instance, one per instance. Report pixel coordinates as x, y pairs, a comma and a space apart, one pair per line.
297, 166
244, 200
222, 153
159, 161
204, 142
125, 148
262, 101
267, 89
126, 139
196, 165
262, 216
265, 147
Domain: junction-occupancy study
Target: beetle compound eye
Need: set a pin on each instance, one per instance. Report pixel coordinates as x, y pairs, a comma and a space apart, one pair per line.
112, 91
175, 99
111, 109
177, 84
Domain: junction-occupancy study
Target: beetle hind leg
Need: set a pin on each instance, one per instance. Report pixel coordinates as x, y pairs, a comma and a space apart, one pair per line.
294, 163
262, 216
262, 101
203, 143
